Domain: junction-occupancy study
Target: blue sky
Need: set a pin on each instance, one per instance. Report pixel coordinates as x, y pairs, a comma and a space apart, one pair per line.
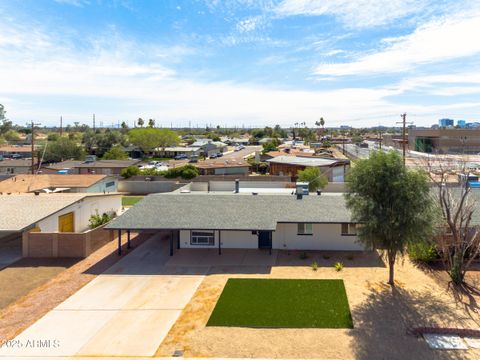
240, 62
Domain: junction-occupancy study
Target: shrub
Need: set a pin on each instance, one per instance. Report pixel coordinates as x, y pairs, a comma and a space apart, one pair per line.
185, 172
129, 172
422, 252
350, 257
303, 255
338, 266
314, 266
97, 220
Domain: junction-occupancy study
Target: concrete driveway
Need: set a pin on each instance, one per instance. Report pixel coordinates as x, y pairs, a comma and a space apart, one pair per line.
126, 311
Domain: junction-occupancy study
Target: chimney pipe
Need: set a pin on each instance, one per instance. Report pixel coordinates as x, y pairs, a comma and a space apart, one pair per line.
237, 186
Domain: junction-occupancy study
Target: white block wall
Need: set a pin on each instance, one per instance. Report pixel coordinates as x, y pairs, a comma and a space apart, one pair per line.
82, 212
324, 237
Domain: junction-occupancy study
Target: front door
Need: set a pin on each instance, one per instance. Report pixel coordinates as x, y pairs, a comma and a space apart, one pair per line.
264, 239
66, 223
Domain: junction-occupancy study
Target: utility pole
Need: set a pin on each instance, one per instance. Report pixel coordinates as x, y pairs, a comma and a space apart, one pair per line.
33, 146
404, 137
93, 122
380, 139
61, 126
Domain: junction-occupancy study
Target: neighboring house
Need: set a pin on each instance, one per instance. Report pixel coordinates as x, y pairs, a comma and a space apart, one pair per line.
56, 224
244, 221
226, 167
235, 141
105, 167
209, 147
15, 151
25, 183
170, 152
16, 166
334, 169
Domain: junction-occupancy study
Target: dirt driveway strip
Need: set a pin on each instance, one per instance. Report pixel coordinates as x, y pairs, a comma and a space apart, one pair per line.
125, 311
25, 311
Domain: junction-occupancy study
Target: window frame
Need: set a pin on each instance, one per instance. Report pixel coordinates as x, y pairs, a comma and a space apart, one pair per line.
210, 237
302, 229
351, 229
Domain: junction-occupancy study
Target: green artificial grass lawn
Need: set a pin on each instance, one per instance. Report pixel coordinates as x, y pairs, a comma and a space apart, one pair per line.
130, 200
282, 303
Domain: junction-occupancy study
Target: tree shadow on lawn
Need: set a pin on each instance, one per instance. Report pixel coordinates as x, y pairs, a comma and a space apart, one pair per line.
382, 322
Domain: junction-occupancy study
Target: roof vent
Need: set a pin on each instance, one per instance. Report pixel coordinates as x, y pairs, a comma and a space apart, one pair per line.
254, 193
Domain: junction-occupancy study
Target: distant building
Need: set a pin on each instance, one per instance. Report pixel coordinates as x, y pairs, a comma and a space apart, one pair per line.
445, 122
89, 166
473, 125
444, 141
334, 169
461, 123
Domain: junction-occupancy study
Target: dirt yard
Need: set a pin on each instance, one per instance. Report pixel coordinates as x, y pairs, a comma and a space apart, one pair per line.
25, 275
381, 316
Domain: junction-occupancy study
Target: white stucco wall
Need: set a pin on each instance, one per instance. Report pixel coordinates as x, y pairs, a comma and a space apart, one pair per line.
324, 237
82, 212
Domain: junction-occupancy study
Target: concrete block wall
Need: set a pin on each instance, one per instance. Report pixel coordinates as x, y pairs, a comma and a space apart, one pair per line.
38, 244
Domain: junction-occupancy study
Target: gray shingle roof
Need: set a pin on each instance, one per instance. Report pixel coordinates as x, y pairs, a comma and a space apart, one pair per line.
230, 212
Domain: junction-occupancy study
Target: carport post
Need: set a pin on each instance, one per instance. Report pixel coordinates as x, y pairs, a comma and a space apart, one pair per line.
171, 243
119, 242
128, 239
219, 242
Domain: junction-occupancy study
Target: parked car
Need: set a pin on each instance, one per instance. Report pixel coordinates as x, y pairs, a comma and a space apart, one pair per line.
213, 156
193, 159
219, 154
181, 157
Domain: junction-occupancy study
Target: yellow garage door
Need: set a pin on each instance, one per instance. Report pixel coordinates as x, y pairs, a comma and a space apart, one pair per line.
66, 223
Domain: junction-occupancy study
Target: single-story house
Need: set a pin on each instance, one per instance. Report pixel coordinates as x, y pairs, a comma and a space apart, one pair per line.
288, 222
56, 224
227, 167
170, 152
16, 166
105, 167
334, 169
209, 147
26, 183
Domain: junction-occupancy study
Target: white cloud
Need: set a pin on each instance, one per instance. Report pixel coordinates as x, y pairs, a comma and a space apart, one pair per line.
249, 24
449, 38
354, 13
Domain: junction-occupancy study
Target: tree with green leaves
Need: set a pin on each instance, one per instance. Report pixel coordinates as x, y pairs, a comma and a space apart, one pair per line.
148, 139
391, 203
314, 177
116, 152
151, 123
270, 146
62, 149
140, 122
11, 135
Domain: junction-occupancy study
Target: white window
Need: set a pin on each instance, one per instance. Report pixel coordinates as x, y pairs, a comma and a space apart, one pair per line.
305, 229
203, 238
349, 229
